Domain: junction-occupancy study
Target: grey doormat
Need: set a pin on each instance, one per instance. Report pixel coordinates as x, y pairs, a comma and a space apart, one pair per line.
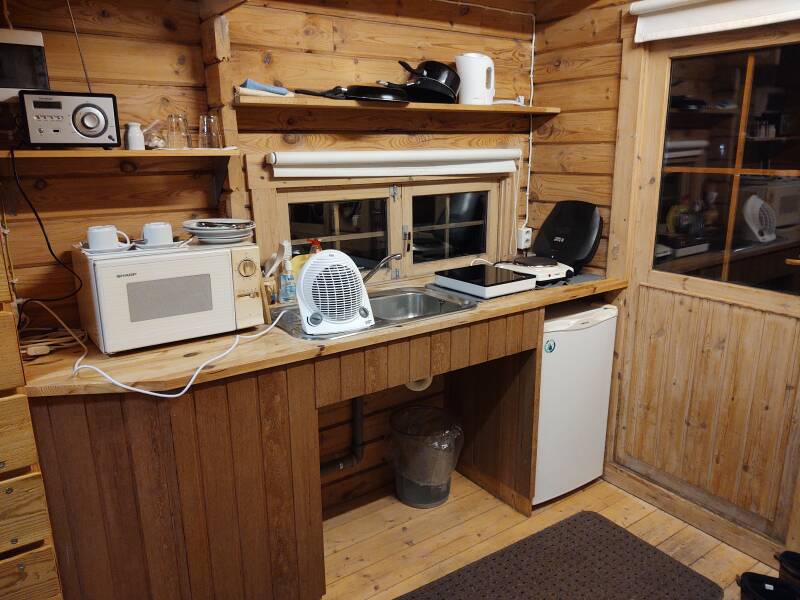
584, 556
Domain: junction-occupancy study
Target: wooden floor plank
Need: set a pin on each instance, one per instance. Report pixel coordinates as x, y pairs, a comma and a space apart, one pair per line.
399, 567
627, 511
395, 539
386, 549
688, 545
722, 564
656, 527
376, 522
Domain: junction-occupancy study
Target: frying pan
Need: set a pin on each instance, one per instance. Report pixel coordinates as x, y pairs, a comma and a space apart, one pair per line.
361, 92
423, 89
435, 71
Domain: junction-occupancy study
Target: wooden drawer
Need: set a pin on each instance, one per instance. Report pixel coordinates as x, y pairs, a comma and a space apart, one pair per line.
23, 512
29, 576
11, 373
17, 446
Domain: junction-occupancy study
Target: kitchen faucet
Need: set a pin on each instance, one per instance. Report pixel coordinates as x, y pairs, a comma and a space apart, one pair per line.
383, 262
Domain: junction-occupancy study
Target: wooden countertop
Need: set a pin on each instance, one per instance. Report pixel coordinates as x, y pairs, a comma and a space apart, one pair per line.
169, 367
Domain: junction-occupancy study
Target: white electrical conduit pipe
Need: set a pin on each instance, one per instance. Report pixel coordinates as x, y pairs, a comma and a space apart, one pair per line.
392, 163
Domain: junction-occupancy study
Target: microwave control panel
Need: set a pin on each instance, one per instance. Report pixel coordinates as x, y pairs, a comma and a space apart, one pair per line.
247, 287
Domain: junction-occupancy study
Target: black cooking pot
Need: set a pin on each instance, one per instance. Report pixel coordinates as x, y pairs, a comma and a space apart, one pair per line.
436, 71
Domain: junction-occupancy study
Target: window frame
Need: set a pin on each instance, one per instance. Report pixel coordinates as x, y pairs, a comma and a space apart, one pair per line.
492, 213
348, 194
399, 196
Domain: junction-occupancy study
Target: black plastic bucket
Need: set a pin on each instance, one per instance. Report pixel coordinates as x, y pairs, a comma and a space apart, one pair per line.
426, 443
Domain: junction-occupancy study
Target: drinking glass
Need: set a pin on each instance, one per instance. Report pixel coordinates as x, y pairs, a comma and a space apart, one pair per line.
209, 135
178, 135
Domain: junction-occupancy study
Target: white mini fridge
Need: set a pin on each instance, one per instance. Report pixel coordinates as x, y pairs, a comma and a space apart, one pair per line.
577, 354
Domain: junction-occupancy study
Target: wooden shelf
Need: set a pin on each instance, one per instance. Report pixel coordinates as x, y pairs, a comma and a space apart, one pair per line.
118, 153
315, 103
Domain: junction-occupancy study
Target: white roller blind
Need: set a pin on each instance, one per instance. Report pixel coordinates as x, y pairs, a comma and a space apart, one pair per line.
393, 163
662, 19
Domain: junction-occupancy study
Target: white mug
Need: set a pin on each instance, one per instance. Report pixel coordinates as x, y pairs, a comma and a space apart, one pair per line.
158, 233
105, 237
477, 78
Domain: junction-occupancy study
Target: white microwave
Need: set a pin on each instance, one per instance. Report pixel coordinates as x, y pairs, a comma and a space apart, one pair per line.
142, 298
783, 195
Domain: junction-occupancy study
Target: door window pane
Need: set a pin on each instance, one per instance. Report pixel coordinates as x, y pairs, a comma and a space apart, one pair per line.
449, 225
356, 227
767, 233
705, 97
729, 206
692, 215
773, 126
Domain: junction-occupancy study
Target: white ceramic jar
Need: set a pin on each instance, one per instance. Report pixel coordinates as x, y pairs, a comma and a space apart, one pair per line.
134, 138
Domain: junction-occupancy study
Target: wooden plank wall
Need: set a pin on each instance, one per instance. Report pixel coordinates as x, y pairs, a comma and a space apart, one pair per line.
148, 54
314, 44
577, 67
711, 411
211, 495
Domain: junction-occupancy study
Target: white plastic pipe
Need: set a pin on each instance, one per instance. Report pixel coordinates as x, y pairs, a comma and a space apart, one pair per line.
393, 162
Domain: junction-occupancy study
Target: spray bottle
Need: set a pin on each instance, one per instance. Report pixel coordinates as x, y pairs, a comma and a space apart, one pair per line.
288, 287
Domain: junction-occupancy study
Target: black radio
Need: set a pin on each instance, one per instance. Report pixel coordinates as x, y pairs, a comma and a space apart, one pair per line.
60, 119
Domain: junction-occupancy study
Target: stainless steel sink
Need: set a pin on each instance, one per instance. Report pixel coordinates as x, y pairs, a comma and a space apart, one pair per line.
390, 308
413, 303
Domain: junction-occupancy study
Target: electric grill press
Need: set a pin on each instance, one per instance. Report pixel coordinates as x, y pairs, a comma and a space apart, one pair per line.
567, 240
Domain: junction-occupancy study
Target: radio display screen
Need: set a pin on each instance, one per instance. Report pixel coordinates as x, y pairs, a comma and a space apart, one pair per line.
46, 104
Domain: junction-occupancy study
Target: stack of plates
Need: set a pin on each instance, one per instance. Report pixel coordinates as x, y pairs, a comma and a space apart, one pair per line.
220, 231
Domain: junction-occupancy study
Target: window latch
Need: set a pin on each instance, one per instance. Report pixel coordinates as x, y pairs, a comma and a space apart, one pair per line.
395, 193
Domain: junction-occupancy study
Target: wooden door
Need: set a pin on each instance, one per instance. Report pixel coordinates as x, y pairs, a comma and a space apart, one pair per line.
708, 401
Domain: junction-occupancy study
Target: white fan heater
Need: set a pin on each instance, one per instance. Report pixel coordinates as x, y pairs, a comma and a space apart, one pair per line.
331, 295
760, 220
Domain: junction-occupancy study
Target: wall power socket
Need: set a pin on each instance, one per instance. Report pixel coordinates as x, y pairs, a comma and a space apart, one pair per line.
524, 238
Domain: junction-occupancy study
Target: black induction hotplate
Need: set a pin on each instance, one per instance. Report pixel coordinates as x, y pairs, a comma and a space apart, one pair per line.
485, 281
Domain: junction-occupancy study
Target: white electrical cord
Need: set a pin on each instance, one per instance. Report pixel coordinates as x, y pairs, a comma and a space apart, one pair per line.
79, 367
513, 245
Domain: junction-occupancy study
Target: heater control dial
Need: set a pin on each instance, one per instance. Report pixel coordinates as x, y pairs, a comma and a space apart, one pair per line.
247, 267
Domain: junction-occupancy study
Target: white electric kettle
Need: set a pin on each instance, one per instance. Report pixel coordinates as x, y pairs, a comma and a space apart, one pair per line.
477, 78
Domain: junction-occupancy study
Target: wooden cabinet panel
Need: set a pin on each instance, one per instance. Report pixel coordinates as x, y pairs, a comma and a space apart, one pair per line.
711, 405
29, 576
11, 374
17, 446
23, 512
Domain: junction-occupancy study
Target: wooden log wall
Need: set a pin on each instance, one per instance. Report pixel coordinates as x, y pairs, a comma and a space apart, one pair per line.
577, 68
148, 54
314, 44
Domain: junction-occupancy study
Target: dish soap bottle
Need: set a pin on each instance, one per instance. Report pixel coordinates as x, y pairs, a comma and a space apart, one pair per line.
288, 287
